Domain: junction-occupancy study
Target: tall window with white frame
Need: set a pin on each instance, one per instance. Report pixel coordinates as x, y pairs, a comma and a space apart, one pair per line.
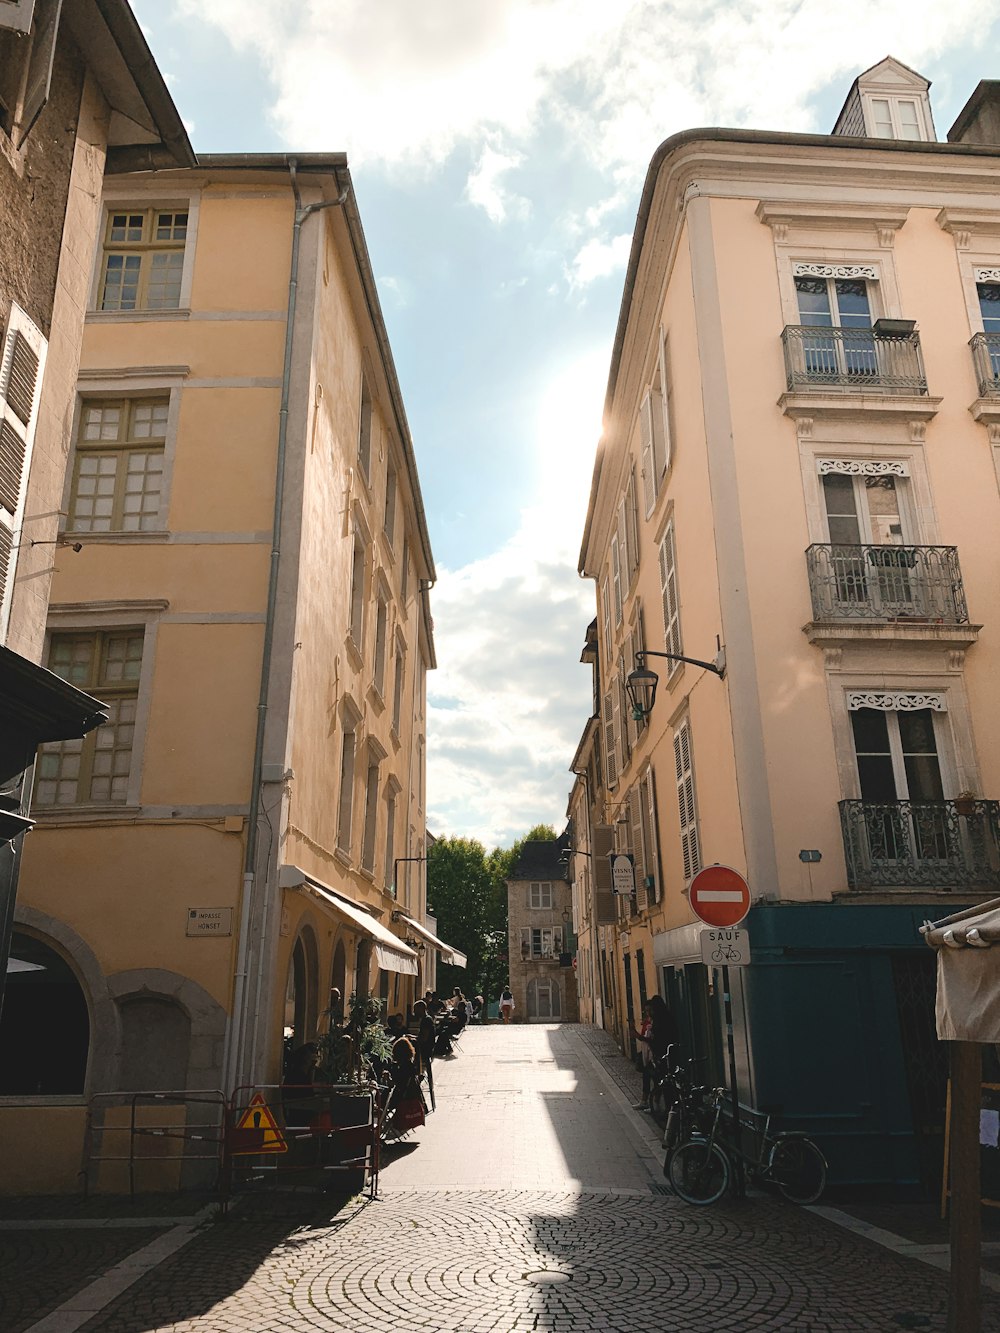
687, 808
345, 814
668, 594
96, 769
358, 561
118, 467
391, 794
389, 510
143, 259
371, 812
540, 894
365, 427
399, 678
381, 630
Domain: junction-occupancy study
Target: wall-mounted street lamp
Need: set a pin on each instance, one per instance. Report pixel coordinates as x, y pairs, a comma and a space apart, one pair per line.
642, 682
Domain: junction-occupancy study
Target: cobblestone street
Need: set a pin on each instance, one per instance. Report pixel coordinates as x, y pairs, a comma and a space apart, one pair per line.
532, 1199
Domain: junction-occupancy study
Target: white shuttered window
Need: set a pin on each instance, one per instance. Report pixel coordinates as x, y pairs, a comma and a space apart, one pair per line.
610, 748
684, 769
22, 361
668, 591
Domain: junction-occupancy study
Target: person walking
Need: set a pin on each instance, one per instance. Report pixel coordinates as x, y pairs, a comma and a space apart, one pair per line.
506, 1004
658, 1032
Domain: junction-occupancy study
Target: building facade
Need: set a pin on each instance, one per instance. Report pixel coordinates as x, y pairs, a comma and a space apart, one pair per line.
800, 466
540, 935
250, 601
79, 96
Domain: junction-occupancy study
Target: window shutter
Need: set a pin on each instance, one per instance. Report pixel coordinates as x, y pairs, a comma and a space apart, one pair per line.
617, 740
525, 942
43, 53
666, 438
632, 525
638, 848
556, 941
616, 577
21, 363
610, 753
624, 553
623, 712
17, 14
606, 618
690, 850
668, 591
648, 467
650, 834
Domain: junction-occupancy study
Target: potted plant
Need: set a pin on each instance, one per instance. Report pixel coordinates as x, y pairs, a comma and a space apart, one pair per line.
965, 803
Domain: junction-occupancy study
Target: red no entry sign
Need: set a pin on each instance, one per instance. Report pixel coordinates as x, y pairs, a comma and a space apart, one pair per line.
720, 896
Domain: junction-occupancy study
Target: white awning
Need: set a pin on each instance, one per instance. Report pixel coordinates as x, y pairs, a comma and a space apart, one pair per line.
968, 973
391, 953
448, 954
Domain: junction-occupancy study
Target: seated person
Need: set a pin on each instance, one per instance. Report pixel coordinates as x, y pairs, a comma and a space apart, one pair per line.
396, 1026
403, 1071
477, 1008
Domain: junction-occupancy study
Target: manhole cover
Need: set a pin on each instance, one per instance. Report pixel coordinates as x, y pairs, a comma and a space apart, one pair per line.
546, 1276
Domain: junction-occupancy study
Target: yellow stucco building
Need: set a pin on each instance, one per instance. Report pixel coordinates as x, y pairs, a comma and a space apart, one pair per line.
244, 583
800, 465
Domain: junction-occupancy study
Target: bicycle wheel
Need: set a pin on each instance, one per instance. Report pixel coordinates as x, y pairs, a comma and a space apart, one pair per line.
798, 1168
699, 1171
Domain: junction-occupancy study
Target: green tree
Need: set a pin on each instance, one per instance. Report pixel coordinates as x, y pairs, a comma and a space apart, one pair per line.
458, 893
467, 891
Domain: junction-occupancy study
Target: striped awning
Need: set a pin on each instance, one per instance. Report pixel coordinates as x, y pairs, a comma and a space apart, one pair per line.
391, 953
449, 954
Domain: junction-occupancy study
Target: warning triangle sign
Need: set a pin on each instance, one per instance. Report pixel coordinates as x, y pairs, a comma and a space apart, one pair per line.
257, 1131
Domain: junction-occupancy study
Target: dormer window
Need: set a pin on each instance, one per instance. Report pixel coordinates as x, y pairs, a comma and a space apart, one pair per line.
895, 118
888, 101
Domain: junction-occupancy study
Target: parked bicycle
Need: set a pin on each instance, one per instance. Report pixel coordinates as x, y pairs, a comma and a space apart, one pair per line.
702, 1168
685, 1103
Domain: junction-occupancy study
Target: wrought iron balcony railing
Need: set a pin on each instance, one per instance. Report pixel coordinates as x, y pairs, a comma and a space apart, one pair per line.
912, 584
986, 359
933, 844
859, 359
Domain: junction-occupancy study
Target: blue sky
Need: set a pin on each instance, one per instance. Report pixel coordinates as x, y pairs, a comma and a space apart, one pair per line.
498, 149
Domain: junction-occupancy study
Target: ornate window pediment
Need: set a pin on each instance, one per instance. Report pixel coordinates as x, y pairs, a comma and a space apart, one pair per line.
861, 467
896, 701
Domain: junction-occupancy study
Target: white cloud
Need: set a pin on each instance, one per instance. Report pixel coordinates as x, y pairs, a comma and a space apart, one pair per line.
485, 189
400, 82
510, 697
599, 259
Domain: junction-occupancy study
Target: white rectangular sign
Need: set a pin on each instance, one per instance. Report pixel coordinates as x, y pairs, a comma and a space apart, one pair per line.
622, 873
725, 947
209, 921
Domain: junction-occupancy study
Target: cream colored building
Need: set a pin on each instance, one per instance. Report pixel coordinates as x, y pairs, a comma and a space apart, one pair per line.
250, 599
801, 463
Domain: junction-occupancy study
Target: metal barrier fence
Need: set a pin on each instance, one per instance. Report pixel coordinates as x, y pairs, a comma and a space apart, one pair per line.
332, 1130
159, 1142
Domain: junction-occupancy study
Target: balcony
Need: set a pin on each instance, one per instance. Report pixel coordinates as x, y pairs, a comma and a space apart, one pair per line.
922, 844
986, 360
877, 360
903, 584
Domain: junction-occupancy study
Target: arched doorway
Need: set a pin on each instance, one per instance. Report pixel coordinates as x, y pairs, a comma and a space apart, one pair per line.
45, 1026
301, 1009
156, 1045
338, 979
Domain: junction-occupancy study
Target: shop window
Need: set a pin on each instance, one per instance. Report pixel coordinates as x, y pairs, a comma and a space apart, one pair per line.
45, 1025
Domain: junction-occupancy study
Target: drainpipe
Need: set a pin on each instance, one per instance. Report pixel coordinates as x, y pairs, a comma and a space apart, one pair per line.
234, 1066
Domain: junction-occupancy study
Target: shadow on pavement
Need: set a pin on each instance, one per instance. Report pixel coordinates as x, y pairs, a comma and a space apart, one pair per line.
222, 1258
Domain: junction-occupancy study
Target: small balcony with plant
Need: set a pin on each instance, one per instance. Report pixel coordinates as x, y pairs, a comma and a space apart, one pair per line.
883, 359
986, 363
886, 585
949, 845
